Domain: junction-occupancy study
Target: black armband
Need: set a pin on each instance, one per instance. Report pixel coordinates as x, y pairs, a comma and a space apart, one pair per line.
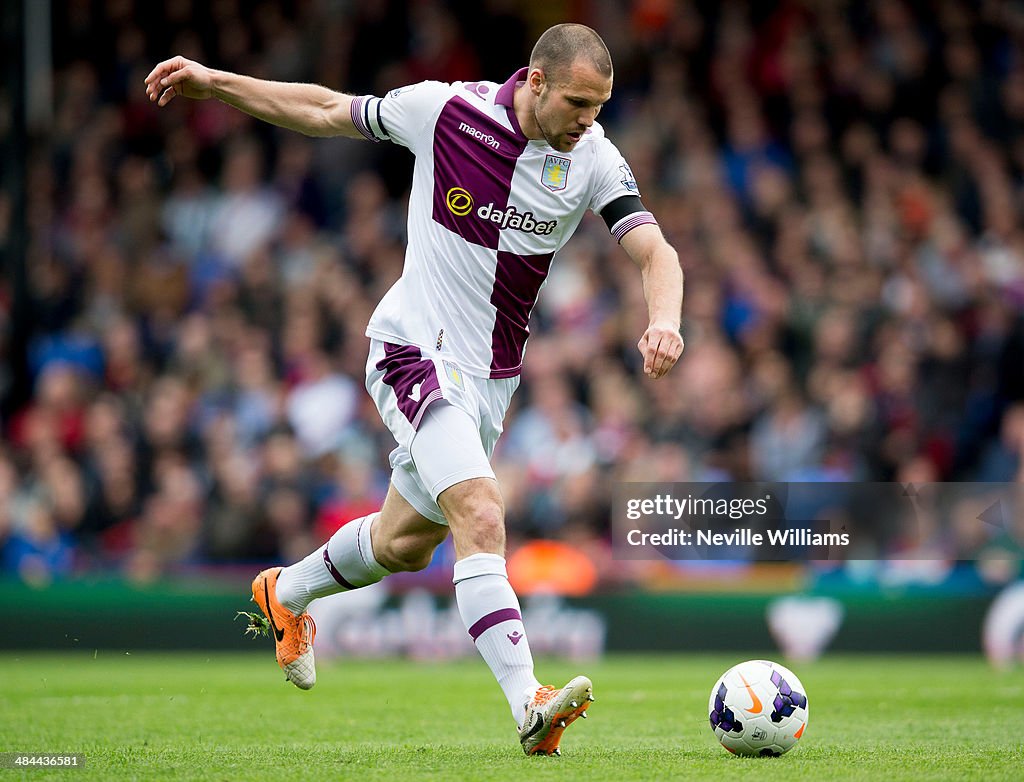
624, 214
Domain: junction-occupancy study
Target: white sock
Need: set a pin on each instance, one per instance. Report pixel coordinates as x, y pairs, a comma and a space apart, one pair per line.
343, 563
490, 611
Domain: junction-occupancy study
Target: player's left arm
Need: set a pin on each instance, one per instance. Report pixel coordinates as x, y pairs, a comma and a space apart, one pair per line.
662, 344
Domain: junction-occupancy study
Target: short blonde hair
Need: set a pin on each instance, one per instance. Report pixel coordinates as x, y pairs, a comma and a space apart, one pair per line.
562, 45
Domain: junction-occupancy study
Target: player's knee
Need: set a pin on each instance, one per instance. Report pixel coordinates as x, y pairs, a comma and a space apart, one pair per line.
482, 525
410, 560
476, 515
411, 553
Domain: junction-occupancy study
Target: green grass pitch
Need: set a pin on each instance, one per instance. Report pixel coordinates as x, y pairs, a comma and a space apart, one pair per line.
227, 717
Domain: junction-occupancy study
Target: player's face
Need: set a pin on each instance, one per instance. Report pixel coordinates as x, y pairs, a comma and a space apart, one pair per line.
566, 107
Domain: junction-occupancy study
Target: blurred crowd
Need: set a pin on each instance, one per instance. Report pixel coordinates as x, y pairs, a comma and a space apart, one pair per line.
844, 182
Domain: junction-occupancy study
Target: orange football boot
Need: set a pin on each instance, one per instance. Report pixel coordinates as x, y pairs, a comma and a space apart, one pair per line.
293, 635
549, 712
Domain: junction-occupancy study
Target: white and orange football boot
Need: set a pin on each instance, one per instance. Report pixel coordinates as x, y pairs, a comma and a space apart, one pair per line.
293, 635
549, 712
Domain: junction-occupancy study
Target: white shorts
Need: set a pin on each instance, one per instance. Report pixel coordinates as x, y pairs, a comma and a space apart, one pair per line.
438, 449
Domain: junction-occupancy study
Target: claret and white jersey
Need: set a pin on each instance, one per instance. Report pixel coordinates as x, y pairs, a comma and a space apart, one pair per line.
489, 209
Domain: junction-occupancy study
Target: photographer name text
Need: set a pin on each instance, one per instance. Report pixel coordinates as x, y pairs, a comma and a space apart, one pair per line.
740, 537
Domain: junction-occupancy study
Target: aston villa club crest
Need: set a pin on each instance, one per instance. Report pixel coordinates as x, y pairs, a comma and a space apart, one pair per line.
453, 373
555, 173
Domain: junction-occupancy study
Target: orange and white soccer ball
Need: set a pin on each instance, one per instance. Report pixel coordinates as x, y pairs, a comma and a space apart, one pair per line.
758, 708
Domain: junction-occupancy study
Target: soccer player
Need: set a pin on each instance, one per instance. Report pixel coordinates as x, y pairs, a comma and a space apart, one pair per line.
503, 175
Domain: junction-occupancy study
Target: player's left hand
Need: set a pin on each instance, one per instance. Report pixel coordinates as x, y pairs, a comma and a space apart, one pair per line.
661, 347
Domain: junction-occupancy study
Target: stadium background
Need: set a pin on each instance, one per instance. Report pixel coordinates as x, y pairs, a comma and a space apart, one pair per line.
184, 292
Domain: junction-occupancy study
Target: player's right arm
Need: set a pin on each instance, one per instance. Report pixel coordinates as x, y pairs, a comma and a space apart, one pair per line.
306, 108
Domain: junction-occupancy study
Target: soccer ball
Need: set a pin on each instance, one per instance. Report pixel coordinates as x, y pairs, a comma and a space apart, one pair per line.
758, 708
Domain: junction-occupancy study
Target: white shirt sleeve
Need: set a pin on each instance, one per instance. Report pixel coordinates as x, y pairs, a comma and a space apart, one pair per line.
613, 180
402, 114
612, 175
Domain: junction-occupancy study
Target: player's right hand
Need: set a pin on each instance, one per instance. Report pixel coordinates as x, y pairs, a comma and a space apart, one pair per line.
179, 76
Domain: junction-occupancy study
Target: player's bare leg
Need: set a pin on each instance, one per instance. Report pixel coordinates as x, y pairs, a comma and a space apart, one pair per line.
403, 540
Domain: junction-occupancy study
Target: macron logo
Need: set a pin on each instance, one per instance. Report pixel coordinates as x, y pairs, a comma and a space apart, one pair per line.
488, 139
414, 395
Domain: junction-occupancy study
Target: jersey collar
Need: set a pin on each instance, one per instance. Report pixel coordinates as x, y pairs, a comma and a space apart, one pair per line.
506, 97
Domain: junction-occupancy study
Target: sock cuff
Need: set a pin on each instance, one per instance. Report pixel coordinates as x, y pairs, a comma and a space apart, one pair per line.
479, 565
364, 546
